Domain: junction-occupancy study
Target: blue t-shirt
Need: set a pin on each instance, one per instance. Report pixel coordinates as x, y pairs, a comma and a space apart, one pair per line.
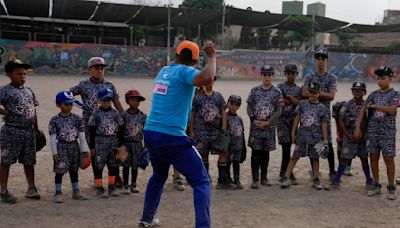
172, 100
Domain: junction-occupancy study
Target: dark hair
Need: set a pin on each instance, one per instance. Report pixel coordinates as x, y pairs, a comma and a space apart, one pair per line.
186, 57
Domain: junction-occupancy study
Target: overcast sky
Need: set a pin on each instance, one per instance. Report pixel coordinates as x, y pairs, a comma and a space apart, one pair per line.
354, 11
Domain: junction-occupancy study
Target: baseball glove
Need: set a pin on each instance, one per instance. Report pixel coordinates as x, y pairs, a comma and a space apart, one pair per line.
122, 153
40, 140
144, 159
222, 142
85, 160
322, 149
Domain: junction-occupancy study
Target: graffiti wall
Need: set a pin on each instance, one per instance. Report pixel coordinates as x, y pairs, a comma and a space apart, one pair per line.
57, 58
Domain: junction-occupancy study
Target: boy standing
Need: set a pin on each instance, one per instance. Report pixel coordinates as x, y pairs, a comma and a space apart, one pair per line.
18, 135
264, 107
381, 106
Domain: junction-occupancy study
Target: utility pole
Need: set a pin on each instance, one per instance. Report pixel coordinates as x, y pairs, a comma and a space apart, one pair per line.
313, 30
223, 25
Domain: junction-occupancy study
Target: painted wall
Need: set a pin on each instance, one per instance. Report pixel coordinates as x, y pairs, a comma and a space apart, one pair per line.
57, 58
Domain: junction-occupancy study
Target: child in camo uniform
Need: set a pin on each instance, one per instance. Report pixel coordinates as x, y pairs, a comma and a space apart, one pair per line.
17, 137
64, 130
350, 149
134, 120
291, 94
264, 107
237, 146
106, 134
208, 120
382, 109
312, 130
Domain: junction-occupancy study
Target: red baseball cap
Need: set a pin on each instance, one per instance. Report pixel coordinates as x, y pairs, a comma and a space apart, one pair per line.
193, 47
134, 93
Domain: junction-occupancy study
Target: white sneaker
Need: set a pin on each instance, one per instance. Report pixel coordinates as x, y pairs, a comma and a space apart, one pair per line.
154, 223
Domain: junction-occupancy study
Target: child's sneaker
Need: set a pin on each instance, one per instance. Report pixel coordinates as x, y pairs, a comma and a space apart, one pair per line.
293, 180
101, 193
32, 193
398, 181
265, 182
332, 176
255, 185
335, 184
375, 189
285, 183
225, 185
134, 188
178, 183
112, 191
347, 171
7, 197
368, 184
238, 184
125, 190
153, 223
58, 198
317, 184
391, 192
76, 195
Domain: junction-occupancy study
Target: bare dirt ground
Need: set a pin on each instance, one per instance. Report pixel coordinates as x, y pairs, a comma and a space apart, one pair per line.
298, 206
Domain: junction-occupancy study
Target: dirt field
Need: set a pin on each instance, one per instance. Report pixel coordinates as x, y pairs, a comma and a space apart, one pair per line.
298, 206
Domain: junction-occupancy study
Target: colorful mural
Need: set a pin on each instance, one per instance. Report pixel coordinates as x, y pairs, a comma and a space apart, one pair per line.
62, 58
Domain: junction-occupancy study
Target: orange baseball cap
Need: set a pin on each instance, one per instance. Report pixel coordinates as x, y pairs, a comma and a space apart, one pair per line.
193, 47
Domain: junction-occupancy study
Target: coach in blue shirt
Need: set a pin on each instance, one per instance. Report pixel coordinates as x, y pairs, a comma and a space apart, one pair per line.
165, 131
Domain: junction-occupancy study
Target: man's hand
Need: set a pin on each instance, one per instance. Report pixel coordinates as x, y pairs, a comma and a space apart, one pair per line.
56, 158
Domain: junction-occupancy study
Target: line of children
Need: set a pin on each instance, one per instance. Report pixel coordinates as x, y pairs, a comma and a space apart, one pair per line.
64, 129
264, 107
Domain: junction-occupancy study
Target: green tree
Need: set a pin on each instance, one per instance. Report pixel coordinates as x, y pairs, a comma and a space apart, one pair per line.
301, 29
247, 36
202, 4
346, 37
394, 46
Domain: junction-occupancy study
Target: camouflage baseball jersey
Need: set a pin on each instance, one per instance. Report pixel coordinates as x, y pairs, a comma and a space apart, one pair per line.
285, 121
69, 154
381, 126
20, 103
328, 84
67, 128
88, 91
134, 123
264, 104
236, 132
208, 122
106, 122
350, 149
311, 117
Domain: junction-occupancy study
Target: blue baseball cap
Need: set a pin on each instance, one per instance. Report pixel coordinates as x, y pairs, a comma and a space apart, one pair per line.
65, 97
104, 94
267, 69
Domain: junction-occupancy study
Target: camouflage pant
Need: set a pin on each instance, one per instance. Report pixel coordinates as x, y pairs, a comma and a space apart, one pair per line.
17, 144
351, 149
204, 147
284, 128
303, 150
105, 151
135, 149
385, 144
69, 153
264, 144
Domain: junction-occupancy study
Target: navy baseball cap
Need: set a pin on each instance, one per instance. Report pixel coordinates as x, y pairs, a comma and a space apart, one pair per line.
267, 69
291, 68
65, 97
235, 98
321, 52
314, 86
359, 85
14, 64
105, 94
384, 70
